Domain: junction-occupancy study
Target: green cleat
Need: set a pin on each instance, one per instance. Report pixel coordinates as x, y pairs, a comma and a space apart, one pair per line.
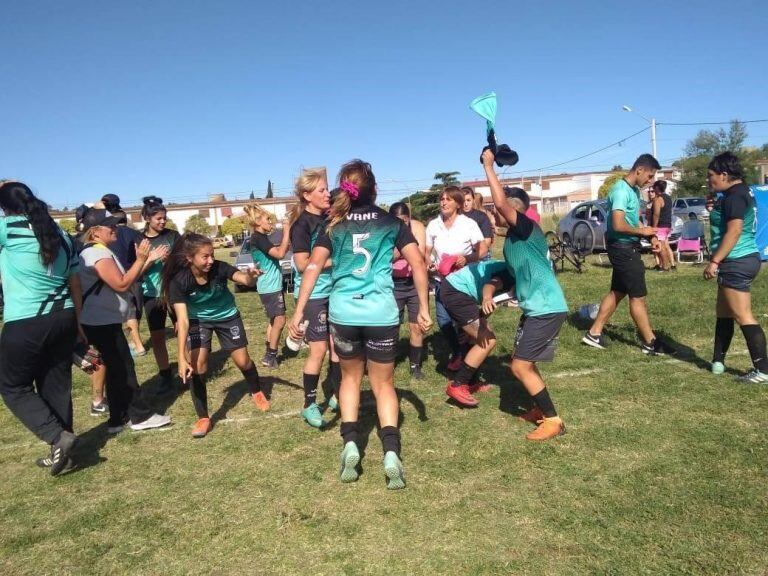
393, 469
718, 368
333, 404
350, 458
313, 416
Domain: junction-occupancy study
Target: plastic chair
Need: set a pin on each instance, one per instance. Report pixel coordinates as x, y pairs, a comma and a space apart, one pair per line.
690, 247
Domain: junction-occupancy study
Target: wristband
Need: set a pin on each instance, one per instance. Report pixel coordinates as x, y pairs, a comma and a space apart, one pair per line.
715, 262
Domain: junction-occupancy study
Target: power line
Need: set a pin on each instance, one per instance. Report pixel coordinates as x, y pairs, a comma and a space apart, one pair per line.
709, 123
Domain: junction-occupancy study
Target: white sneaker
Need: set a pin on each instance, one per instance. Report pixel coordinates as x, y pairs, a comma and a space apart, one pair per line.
753, 377
154, 421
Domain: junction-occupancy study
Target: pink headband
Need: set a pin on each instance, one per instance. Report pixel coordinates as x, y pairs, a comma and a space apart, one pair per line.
350, 189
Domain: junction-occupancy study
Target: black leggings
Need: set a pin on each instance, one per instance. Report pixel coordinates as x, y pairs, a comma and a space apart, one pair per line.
124, 396
36, 372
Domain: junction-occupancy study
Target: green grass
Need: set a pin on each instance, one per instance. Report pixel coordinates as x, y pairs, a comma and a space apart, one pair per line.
662, 471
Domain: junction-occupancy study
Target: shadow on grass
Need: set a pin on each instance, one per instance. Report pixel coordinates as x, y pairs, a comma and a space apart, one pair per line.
89, 443
238, 390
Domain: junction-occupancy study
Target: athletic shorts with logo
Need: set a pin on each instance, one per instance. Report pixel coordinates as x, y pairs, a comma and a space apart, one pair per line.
274, 304
738, 273
537, 336
316, 313
157, 314
230, 332
628, 275
461, 307
407, 297
376, 343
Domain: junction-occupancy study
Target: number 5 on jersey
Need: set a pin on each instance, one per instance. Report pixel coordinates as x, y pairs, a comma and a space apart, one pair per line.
357, 248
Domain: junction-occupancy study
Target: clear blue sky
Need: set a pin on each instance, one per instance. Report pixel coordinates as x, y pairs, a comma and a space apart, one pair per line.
183, 99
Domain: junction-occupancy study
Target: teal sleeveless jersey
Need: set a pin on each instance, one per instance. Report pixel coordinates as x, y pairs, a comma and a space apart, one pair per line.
150, 282
527, 258
304, 234
737, 204
271, 279
362, 247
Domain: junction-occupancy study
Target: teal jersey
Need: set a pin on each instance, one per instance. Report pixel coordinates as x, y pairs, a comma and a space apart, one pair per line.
362, 247
31, 288
211, 301
736, 204
527, 257
623, 197
150, 282
471, 279
304, 234
271, 279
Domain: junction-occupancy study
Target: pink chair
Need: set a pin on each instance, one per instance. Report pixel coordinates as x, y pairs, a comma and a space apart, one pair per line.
688, 248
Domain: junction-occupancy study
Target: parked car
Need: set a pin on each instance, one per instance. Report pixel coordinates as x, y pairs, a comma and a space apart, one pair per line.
586, 225
244, 260
684, 206
223, 242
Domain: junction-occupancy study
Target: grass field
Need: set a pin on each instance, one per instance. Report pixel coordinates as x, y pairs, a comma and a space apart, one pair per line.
663, 469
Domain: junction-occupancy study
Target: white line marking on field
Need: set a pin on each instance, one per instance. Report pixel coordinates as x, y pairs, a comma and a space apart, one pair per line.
585, 372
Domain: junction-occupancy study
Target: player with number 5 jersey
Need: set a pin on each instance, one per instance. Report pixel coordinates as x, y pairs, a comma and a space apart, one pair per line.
361, 239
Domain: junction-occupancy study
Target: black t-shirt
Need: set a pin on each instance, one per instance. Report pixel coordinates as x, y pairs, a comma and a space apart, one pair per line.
736, 203
305, 231
482, 220
523, 228
125, 246
211, 301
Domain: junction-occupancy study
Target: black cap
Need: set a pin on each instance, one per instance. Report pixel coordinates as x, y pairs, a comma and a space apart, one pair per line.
111, 202
519, 193
98, 217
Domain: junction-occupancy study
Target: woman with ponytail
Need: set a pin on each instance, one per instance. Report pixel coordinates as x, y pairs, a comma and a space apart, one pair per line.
308, 223
38, 265
195, 286
270, 284
361, 239
155, 231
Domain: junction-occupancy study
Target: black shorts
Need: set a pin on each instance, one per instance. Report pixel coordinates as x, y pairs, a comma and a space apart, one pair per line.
536, 338
230, 332
157, 313
316, 313
274, 304
461, 307
376, 343
406, 296
628, 269
739, 273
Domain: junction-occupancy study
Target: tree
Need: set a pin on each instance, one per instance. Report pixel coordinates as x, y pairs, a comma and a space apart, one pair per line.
171, 225
269, 190
69, 225
608, 183
232, 226
198, 225
252, 197
426, 205
617, 168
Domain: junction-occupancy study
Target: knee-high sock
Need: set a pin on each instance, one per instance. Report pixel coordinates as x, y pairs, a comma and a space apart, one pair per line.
723, 337
199, 393
755, 337
251, 376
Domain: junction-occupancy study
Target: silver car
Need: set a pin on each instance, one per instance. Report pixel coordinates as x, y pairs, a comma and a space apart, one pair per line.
586, 224
682, 207
243, 260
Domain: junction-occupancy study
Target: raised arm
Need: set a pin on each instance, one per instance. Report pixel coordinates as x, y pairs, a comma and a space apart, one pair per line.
508, 212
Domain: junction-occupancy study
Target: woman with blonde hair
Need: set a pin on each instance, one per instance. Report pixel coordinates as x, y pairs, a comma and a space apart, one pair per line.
308, 222
270, 284
361, 239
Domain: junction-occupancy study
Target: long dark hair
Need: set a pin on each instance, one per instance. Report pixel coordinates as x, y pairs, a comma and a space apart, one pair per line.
360, 175
152, 205
17, 198
183, 250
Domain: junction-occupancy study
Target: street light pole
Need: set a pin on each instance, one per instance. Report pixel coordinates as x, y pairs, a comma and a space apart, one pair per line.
652, 122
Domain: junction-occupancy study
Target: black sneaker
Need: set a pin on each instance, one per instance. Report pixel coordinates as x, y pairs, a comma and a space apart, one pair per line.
416, 372
270, 361
45, 462
100, 409
60, 452
594, 341
657, 348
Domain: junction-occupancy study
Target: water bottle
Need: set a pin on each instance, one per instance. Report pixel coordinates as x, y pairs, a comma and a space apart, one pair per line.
589, 311
295, 345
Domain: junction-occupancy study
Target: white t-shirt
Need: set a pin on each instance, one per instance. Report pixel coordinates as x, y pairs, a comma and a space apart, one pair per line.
459, 239
103, 305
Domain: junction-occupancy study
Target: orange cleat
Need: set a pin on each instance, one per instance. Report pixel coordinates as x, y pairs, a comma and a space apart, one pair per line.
260, 401
461, 394
201, 428
479, 387
548, 428
534, 415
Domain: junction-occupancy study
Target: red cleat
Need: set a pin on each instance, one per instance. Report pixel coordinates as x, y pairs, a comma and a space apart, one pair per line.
475, 388
461, 394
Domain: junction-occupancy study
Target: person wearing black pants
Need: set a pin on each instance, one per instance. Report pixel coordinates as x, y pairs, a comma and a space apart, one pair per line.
42, 296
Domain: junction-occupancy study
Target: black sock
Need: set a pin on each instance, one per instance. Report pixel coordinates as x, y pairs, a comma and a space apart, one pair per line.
199, 394
349, 431
310, 388
390, 439
252, 377
723, 336
544, 402
453, 340
475, 378
755, 338
165, 374
334, 376
465, 373
414, 355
